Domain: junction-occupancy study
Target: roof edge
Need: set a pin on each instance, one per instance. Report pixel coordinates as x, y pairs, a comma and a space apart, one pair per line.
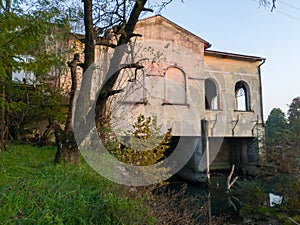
234, 55
206, 43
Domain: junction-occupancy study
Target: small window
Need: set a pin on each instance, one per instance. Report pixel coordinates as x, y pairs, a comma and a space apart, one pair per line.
211, 95
242, 96
21, 75
175, 86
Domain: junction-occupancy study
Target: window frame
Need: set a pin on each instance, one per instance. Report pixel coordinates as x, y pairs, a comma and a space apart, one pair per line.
166, 101
216, 96
143, 98
241, 84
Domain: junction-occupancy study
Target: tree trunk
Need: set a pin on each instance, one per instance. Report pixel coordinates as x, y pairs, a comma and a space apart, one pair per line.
3, 122
67, 148
102, 114
4, 113
89, 48
89, 57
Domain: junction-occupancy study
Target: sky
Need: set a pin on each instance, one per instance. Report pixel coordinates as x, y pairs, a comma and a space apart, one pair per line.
244, 27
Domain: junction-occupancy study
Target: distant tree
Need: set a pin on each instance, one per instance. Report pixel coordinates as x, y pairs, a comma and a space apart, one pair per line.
276, 126
27, 36
283, 139
294, 120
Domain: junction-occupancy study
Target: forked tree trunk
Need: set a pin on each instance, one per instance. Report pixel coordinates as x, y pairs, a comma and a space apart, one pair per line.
102, 115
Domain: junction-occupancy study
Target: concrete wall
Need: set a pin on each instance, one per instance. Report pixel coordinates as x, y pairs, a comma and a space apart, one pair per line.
165, 45
226, 73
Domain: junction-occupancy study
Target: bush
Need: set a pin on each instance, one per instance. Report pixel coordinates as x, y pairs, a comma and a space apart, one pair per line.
146, 145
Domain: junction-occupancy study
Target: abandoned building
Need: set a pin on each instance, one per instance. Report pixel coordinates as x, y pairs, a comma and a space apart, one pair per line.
183, 82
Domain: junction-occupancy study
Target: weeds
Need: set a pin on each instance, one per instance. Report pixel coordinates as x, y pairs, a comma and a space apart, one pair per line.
33, 190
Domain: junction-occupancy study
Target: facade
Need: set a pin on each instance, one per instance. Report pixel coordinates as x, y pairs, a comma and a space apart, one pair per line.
182, 82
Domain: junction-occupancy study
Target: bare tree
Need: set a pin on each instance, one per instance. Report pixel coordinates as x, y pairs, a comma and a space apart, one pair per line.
110, 24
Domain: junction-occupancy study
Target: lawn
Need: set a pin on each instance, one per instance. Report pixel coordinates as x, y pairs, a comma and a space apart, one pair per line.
34, 190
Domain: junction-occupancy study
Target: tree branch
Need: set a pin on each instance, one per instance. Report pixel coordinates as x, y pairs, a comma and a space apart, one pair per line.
107, 93
273, 5
81, 65
164, 4
104, 43
113, 92
148, 10
134, 35
116, 59
267, 3
130, 65
73, 65
134, 17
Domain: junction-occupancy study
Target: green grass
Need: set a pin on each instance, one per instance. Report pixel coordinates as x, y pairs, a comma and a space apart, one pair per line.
34, 190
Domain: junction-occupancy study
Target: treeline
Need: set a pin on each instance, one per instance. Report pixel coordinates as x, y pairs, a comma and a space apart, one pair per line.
283, 138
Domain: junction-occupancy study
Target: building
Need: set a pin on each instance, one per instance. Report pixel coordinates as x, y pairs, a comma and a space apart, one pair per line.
183, 82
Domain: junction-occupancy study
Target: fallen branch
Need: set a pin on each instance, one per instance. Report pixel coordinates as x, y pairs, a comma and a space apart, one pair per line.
229, 182
232, 204
293, 221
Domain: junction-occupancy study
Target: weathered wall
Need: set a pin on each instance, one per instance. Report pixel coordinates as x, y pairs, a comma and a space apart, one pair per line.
226, 73
166, 45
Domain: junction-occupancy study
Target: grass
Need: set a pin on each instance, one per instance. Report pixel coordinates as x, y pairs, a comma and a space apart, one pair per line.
34, 190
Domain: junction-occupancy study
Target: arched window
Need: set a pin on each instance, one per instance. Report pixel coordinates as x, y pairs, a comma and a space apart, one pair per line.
211, 95
242, 96
175, 86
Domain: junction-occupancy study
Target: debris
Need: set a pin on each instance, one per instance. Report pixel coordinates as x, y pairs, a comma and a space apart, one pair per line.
275, 199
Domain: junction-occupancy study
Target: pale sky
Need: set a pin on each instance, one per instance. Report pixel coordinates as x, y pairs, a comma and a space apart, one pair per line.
241, 26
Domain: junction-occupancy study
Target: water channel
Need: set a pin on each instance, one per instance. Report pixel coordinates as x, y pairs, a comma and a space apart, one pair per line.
215, 196
228, 204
